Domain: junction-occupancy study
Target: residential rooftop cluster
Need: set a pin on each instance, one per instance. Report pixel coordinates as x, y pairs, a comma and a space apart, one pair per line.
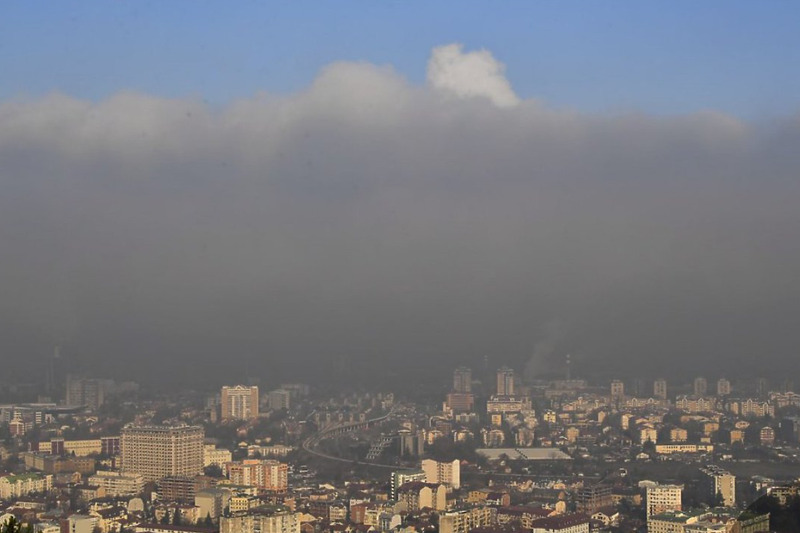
494, 454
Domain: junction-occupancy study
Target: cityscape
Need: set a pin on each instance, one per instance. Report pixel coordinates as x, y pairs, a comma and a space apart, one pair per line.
384, 266
494, 454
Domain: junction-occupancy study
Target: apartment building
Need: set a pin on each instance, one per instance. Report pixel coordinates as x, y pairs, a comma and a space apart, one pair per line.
261, 520
465, 520
239, 402
266, 474
448, 473
15, 486
118, 484
662, 498
156, 452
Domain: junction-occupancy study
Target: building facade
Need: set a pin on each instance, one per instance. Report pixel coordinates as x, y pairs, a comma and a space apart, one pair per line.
118, 484
266, 521
239, 402
156, 452
448, 473
505, 382
662, 498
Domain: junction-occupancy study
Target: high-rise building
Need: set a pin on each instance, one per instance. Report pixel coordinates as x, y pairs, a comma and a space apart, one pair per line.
265, 474
156, 452
719, 483
448, 473
700, 387
460, 402
279, 399
661, 498
660, 389
505, 382
239, 402
723, 387
593, 497
617, 389
762, 386
83, 391
401, 477
411, 442
462, 380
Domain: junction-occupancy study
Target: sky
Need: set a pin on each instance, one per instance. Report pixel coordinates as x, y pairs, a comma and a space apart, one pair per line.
193, 194
737, 57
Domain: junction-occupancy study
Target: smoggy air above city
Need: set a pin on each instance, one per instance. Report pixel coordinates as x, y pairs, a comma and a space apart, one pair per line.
398, 213
392, 267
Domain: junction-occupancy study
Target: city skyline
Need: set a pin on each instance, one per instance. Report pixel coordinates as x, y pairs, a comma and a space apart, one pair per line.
399, 267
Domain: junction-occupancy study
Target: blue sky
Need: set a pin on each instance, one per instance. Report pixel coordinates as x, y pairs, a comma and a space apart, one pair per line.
670, 57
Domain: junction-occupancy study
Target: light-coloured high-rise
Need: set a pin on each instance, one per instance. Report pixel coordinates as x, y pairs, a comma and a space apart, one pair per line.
723, 387
156, 452
700, 387
83, 391
279, 399
661, 498
448, 473
660, 389
216, 456
239, 402
719, 483
401, 477
617, 389
462, 380
505, 381
266, 474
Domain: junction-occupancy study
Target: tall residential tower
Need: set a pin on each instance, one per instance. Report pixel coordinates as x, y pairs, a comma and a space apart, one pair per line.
156, 452
239, 402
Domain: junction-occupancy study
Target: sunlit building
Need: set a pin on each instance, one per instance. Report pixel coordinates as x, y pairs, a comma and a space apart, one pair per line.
239, 402
156, 452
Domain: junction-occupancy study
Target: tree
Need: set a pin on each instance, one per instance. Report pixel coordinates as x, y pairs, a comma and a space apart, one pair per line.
208, 522
213, 470
718, 500
176, 517
13, 526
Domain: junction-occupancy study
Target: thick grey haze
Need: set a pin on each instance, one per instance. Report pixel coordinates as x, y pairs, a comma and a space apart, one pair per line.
373, 225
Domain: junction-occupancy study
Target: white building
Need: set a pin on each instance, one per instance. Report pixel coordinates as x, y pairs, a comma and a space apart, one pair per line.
15, 486
118, 484
661, 498
156, 452
216, 456
78, 523
446, 473
239, 402
277, 522
465, 520
673, 521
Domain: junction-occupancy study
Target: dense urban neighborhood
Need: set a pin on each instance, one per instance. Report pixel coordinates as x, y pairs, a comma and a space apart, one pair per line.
485, 452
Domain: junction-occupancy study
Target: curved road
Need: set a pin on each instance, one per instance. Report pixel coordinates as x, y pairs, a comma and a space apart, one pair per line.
311, 442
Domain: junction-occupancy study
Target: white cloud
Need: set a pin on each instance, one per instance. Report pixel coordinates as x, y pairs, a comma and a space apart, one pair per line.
470, 74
